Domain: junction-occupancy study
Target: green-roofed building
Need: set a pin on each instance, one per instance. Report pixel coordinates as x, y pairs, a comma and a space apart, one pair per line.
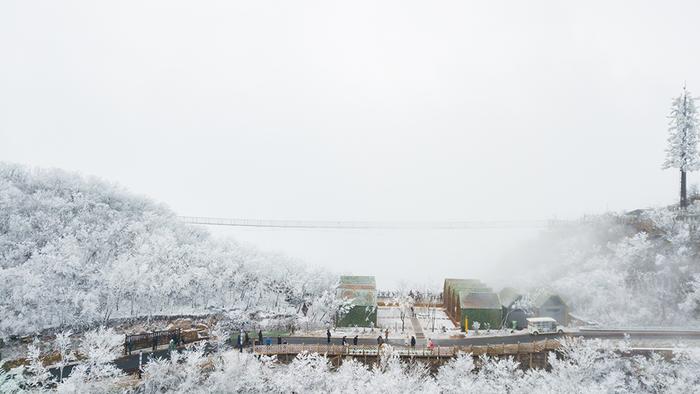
362, 291
473, 288
484, 307
451, 290
447, 294
364, 281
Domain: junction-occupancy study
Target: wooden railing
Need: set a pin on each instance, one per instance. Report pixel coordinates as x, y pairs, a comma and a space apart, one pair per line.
151, 339
438, 351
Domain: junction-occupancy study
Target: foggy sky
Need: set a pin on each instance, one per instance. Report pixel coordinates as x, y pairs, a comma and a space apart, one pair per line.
363, 110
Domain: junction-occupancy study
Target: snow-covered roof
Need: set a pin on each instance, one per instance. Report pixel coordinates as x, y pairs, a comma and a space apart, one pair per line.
540, 319
453, 286
479, 300
460, 282
358, 282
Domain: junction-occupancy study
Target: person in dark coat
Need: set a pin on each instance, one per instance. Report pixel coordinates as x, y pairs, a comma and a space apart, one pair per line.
413, 341
279, 340
155, 341
260, 338
354, 340
328, 336
247, 340
239, 342
345, 340
380, 340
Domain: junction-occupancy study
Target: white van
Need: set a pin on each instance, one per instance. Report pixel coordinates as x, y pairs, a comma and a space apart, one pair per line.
543, 325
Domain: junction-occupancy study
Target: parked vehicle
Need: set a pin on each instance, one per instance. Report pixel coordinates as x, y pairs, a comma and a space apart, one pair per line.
543, 325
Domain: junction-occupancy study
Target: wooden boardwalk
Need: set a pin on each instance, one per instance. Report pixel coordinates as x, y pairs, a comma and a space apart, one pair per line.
408, 352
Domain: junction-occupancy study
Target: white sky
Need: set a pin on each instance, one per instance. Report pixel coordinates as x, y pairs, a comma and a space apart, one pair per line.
362, 110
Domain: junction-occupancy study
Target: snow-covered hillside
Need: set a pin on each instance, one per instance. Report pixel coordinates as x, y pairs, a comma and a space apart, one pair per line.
635, 269
77, 251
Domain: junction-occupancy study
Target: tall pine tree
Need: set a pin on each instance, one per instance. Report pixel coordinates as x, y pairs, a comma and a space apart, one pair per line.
682, 152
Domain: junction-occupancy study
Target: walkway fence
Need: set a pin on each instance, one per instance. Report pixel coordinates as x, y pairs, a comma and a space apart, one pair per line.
151, 340
422, 352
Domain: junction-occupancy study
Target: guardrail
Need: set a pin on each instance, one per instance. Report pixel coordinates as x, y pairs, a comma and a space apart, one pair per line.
438, 351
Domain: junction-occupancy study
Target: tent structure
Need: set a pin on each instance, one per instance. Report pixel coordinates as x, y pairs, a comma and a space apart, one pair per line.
512, 302
482, 307
451, 290
361, 291
552, 305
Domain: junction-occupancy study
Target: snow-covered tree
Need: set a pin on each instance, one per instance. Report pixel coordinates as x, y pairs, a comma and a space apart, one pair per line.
62, 345
38, 376
682, 150
405, 304
100, 348
218, 335
12, 381
77, 251
182, 372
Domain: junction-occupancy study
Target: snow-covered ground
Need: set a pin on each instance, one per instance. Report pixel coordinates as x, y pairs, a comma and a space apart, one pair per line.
389, 317
426, 316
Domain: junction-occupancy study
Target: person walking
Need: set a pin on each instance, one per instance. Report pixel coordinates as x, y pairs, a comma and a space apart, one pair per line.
380, 340
431, 345
279, 340
354, 340
140, 362
247, 339
345, 340
413, 341
155, 341
171, 345
239, 342
386, 334
260, 337
328, 336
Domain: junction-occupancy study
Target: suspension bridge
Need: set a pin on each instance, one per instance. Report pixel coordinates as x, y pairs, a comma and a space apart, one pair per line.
379, 225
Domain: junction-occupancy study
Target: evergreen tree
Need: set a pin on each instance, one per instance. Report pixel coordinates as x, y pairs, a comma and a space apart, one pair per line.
682, 151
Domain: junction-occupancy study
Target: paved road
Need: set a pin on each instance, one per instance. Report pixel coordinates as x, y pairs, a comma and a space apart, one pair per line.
519, 338
477, 340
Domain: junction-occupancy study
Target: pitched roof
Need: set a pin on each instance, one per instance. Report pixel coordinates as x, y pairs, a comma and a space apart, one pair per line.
463, 284
477, 300
454, 282
357, 282
545, 296
508, 295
